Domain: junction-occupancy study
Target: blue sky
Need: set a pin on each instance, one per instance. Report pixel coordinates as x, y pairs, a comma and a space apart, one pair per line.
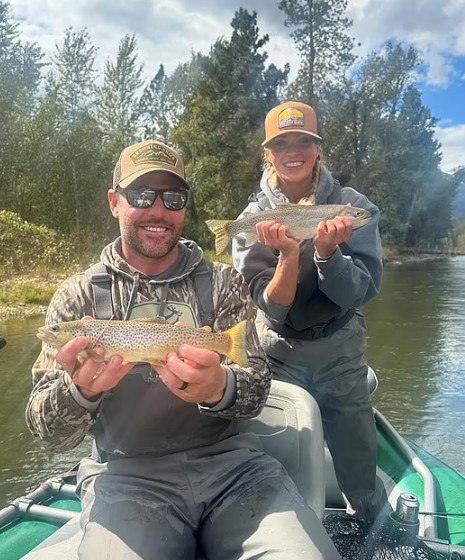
168, 30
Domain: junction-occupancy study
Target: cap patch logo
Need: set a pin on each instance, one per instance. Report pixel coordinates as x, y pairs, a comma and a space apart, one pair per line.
153, 153
290, 117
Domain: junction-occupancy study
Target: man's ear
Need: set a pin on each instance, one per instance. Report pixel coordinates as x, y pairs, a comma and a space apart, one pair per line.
113, 202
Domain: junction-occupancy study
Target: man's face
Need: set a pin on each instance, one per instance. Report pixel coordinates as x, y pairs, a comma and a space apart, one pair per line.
149, 235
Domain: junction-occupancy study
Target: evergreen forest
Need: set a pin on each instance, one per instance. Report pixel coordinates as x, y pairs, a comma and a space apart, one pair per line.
65, 121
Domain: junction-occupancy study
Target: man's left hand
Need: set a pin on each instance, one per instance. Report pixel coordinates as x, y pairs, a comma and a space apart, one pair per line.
200, 369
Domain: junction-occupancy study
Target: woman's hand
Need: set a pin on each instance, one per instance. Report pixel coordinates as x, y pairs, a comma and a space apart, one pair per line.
274, 235
330, 235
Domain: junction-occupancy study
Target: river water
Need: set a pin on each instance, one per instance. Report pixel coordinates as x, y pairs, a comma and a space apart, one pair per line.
416, 343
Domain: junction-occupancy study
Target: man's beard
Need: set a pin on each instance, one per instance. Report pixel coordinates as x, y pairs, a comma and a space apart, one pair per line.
150, 249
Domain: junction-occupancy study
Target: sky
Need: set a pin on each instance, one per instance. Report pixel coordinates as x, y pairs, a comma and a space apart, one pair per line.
167, 31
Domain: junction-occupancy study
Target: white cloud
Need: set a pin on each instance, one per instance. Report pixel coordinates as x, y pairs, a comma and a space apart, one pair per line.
435, 28
452, 140
167, 31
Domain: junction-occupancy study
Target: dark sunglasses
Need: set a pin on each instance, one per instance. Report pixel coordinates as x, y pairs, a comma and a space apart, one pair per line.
281, 145
143, 197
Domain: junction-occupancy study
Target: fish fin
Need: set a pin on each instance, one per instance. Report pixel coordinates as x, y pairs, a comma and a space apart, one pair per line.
150, 319
237, 338
308, 200
221, 230
153, 361
93, 355
206, 328
80, 358
251, 237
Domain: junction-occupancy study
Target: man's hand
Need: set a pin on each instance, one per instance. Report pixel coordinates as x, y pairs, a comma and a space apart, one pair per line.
330, 235
90, 377
200, 369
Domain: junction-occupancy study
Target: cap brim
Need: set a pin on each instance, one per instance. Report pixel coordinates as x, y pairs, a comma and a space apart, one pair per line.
268, 140
129, 180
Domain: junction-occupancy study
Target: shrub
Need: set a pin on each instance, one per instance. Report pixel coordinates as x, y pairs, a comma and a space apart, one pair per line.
27, 248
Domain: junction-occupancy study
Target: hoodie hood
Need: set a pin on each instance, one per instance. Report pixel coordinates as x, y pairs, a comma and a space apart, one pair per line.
190, 255
276, 196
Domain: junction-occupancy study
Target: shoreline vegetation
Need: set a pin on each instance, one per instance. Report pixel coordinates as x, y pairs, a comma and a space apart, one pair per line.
28, 295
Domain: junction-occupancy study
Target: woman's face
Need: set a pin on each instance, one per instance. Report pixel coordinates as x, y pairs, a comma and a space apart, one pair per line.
293, 156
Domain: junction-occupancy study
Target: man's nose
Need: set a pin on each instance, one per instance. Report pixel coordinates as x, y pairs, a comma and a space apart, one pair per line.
158, 206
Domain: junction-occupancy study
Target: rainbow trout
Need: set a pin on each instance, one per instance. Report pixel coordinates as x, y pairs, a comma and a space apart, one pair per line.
301, 220
145, 340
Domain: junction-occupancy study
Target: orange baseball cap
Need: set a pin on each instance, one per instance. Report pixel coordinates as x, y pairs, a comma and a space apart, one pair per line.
291, 116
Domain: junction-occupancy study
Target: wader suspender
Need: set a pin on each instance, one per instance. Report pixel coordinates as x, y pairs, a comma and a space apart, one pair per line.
100, 281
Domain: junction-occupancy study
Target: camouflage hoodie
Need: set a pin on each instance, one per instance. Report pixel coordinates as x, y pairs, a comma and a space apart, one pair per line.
139, 416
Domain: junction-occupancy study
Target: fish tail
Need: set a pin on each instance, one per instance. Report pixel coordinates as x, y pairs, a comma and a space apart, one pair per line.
221, 229
236, 350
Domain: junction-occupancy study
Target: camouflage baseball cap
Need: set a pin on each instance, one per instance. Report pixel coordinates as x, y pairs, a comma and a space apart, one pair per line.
291, 116
144, 157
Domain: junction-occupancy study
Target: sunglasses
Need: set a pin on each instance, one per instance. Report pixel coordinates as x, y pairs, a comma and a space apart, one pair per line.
143, 197
281, 145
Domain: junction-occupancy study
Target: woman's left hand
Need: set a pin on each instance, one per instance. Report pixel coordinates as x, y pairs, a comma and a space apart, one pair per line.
330, 235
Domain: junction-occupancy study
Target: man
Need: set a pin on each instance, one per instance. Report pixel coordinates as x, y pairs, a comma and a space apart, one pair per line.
170, 475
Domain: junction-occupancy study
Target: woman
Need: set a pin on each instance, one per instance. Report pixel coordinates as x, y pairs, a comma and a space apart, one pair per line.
309, 295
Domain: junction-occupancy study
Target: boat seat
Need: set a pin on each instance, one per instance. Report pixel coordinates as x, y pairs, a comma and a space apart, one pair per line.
291, 430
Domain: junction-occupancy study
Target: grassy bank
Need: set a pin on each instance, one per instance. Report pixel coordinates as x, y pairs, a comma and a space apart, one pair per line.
23, 296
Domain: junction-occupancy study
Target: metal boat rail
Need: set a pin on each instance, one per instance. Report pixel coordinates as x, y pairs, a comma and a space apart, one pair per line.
429, 482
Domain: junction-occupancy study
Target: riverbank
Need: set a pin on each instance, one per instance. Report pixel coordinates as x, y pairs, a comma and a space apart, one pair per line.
12, 304
26, 296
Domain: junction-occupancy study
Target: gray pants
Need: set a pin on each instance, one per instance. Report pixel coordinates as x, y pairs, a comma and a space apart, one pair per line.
334, 371
229, 501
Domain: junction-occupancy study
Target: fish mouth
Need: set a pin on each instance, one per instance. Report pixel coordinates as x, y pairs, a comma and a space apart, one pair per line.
45, 335
362, 221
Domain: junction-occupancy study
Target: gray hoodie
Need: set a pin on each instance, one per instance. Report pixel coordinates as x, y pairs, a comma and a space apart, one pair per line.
326, 290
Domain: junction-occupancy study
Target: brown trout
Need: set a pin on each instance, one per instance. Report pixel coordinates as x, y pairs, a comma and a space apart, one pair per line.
301, 220
146, 340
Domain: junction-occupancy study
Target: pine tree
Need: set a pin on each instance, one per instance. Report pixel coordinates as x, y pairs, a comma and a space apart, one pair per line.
319, 29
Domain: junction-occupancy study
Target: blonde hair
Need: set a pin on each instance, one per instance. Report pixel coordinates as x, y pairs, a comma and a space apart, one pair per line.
273, 179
